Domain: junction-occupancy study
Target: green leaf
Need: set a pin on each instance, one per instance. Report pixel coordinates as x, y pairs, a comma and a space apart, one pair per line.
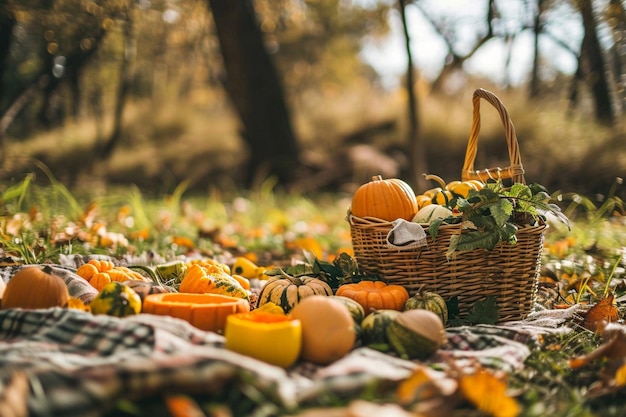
519, 191
433, 227
484, 311
541, 197
501, 212
453, 306
332, 274
477, 240
463, 204
346, 263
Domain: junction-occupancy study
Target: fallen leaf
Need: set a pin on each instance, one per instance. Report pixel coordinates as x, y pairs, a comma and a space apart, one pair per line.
429, 393
488, 393
14, 398
181, 405
612, 349
604, 310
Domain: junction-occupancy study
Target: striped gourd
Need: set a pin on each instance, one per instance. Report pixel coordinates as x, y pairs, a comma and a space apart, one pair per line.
116, 299
416, 334
356, 309
428, 300
287, 291
211, 279
374, 326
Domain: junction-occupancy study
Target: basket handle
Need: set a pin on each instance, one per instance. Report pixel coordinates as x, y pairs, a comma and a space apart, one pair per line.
515, 170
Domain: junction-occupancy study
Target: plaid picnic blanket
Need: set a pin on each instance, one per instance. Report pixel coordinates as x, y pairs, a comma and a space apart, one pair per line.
78, 364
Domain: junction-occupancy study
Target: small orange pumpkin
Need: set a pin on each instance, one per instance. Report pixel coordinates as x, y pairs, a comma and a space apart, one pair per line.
100, 280
100, 273
375, 295
385, 199
33, 287
92, 267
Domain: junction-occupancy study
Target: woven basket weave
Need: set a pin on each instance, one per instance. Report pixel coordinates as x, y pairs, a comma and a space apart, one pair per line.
509, 272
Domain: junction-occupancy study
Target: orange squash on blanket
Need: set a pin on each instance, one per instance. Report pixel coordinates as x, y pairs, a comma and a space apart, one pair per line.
35, 287
204, 311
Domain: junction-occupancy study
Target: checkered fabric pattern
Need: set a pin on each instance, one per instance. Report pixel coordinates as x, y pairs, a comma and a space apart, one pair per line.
79, 364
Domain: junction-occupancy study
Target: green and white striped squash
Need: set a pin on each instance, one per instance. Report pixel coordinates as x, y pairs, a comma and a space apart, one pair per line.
416, 334
356, 309
374, 326
428, 300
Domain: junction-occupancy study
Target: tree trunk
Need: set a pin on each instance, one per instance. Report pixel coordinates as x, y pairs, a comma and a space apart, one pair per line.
417, 149
616, 16
122, 92
7, 23
594, 67
535, 82
256, 92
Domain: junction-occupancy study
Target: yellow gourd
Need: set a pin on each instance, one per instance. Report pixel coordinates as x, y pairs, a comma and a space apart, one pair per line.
211, 280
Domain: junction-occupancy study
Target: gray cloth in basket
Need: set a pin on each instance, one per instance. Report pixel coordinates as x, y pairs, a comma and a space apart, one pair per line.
405, 235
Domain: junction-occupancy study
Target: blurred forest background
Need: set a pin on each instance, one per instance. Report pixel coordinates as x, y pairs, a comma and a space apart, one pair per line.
226, 94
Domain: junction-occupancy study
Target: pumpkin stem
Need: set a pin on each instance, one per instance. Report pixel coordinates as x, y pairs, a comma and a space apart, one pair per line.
294, 280
377, 178
436, 178
420, 290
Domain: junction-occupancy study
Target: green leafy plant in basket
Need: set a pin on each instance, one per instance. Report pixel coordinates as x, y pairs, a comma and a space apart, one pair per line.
495, 213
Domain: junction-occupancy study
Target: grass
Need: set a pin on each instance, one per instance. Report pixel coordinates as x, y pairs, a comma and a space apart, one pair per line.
41, 223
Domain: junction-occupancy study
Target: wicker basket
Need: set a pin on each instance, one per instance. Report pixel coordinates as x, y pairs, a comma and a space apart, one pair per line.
508, 272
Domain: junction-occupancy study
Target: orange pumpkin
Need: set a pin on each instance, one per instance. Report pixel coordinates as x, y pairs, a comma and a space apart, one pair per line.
100, 273
92, 267
33, 287
375, 295
100, 280
204, 311
388, 200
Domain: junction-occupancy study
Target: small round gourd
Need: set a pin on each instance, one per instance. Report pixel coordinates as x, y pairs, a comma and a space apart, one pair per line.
385, 199
33, 287
356, 309
116, 299
428, 300
374, 327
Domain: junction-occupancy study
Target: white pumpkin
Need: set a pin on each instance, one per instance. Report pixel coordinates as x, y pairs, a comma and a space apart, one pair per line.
431, 212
